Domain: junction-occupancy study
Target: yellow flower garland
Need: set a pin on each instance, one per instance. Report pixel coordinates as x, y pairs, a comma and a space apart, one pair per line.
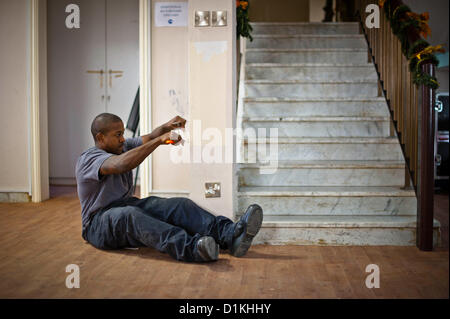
429, 50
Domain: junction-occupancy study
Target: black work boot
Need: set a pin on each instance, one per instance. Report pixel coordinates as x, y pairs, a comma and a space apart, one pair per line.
207, 249
247, 227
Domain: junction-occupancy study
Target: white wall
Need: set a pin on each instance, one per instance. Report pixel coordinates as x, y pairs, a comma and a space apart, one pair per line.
316, 13
212, 99
170, 97
14, 109
186, 82
278, 11
15, 112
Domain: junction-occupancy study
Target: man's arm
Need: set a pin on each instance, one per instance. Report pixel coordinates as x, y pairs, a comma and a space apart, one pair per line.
157, 132
176, 122
118, 164
127, 161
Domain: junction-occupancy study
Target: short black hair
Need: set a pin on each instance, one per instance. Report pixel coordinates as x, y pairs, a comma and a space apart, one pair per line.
101, 123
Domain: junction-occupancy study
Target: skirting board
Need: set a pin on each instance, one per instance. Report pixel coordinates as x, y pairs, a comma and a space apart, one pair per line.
14, 197
161, 193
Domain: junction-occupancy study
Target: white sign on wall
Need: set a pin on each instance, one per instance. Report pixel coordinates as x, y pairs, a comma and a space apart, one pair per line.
171, 14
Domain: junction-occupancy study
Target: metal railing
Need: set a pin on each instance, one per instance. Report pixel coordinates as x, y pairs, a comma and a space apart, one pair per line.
412, 111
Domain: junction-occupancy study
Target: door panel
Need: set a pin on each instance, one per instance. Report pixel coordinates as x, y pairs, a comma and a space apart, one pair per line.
108, 38
122, 54
74, 95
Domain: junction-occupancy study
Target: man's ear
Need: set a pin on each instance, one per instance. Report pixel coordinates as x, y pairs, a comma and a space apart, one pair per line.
99, 137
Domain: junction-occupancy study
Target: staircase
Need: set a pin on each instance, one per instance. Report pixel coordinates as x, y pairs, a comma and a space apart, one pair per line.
341, 173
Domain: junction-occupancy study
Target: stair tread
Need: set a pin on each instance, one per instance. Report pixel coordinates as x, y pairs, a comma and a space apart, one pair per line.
307, 49
341, 221
306, 35
354, 81
319, 191
314, 99
328, 164
333, 140
304, 23
315, 118
367, 65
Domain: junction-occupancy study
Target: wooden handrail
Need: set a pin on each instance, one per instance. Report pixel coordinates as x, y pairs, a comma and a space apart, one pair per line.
412, 112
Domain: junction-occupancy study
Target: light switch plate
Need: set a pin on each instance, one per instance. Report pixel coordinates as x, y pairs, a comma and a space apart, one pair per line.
212, 190
219, 18
202, 18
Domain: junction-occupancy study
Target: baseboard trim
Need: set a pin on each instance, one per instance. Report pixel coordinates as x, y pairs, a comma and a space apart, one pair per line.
14, 197
162, 193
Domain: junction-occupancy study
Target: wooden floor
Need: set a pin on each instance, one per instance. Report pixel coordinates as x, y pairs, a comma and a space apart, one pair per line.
38, 241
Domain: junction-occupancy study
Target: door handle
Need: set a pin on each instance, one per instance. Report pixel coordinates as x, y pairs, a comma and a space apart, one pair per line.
118, 73
100, 72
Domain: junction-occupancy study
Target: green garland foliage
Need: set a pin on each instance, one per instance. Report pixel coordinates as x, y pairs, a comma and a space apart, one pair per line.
243, 26
400, 28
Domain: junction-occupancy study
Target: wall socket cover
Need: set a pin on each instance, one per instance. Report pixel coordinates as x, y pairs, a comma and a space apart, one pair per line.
212, 190
219, 18
202, 18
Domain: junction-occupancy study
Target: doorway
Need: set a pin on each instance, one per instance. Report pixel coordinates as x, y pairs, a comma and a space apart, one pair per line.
91, 70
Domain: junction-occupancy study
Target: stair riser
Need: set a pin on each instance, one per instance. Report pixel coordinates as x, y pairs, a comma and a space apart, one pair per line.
311, 73
306, 57
338, 236
328, 152
324, 129
307, 108
323, 177
308, 43
279, 205
305, 29
312, 90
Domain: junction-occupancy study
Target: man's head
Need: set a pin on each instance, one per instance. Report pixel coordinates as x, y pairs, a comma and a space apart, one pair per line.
107, 130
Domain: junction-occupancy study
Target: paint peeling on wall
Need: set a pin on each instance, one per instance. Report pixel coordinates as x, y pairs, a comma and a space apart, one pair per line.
210, 48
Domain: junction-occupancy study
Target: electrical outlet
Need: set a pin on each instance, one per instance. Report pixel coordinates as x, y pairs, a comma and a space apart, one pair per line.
212, 190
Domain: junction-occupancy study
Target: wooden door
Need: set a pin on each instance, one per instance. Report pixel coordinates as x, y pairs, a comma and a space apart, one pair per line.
79, 84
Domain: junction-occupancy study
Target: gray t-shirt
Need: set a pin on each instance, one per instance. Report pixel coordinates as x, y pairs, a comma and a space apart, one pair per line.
97, 192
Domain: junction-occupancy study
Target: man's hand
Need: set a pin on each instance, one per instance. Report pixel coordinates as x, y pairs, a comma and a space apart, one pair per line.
176, 122
165, 138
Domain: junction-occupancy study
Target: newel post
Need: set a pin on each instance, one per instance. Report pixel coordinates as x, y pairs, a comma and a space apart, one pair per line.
425, 187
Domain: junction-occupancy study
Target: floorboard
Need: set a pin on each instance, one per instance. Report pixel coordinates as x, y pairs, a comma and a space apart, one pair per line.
39, 240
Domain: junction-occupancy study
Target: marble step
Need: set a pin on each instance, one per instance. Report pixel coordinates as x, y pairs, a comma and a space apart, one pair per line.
322, 173
341, 230
283, 200
346, 56
307, 41
275, 106
309, 89
310, 71
305, 28
323, 149
320, 126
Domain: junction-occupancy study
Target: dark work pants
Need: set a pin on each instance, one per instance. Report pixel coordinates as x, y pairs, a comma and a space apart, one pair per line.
171, 225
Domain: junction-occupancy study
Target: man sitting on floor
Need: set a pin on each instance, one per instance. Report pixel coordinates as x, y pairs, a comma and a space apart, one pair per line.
112, 218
